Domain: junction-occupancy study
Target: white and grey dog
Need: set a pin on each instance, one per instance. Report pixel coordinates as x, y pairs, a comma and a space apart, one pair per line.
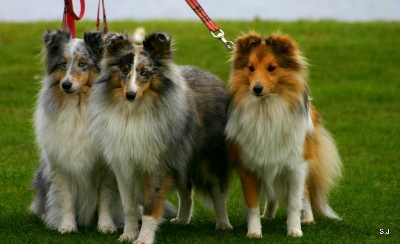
159, 125
74, 186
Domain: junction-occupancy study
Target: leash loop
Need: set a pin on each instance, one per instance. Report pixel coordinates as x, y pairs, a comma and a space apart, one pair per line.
105, 27
209, 23
69, 16
220, 36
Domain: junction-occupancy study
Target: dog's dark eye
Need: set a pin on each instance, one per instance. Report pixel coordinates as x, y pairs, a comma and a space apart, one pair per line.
82, 64
125, 71
271, 68
251, 68
63, 64
145, 74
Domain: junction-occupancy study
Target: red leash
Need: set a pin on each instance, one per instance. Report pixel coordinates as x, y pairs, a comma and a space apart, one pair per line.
105, 27
209, 23
69, 16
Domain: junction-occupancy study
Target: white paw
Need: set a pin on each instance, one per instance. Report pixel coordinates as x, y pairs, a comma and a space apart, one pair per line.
254, 235
178, 221
223, 226
128, 236
142, 242
107, 229
67, 228
295, 233
307, 221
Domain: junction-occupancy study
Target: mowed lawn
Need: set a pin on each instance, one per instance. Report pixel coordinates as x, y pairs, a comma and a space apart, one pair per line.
355, 83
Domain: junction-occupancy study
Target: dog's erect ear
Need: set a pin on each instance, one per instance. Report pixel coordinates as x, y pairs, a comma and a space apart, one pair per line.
281, 44
94, 40
55, 38
116, 43
54, 42
158, 44
287, 52
245, 43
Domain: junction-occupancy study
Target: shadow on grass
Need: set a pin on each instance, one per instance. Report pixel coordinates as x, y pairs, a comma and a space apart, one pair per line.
24, 227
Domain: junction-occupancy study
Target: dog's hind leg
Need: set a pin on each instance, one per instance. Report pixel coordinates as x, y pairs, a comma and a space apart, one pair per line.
220, 209
307, 217
270, 209
185, 204
41, 184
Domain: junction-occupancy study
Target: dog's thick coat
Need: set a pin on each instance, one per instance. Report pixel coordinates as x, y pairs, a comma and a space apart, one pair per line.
74, 185
274, 134
159, 124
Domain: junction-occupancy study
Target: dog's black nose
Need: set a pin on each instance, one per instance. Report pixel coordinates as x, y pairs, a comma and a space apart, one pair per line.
66, 85
130, 95
258, 89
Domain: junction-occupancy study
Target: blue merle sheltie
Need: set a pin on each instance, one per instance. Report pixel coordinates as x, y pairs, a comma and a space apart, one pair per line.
74, 185
159, 125
277, 140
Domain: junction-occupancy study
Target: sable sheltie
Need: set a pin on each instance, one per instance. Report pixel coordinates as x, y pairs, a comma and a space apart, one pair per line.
159, 124
75, 187
275, 135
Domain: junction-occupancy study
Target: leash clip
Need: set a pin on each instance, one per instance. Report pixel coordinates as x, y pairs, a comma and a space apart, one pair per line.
220, 36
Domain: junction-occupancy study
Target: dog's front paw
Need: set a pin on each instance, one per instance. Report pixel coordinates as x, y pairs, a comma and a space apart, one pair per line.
142, 242
254, 235
128, 236
67, 228
307, 221
107, 229
295, 233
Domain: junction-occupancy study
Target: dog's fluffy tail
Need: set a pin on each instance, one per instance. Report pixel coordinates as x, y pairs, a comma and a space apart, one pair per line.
324, 172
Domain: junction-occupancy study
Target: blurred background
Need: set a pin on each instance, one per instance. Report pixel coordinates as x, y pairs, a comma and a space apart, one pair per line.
286, 10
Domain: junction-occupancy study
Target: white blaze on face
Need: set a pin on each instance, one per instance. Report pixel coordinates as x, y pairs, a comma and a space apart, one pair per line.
132, 83
71, 49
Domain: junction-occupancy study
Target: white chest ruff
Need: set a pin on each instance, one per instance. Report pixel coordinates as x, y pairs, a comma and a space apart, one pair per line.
268, 133
133, 141
128, 141
64, 137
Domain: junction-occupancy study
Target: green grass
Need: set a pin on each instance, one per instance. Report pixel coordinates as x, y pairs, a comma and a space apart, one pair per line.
355, 82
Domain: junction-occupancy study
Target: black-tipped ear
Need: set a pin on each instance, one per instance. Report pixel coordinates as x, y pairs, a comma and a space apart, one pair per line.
55, 38
281, 44
115, 43
158, 44
94, 40
245, 43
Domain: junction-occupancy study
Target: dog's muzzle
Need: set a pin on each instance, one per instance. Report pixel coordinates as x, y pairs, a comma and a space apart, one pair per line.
130, 95
257, 89
66, 86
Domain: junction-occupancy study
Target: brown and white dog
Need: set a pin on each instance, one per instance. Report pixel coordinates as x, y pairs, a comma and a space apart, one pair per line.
275, 135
